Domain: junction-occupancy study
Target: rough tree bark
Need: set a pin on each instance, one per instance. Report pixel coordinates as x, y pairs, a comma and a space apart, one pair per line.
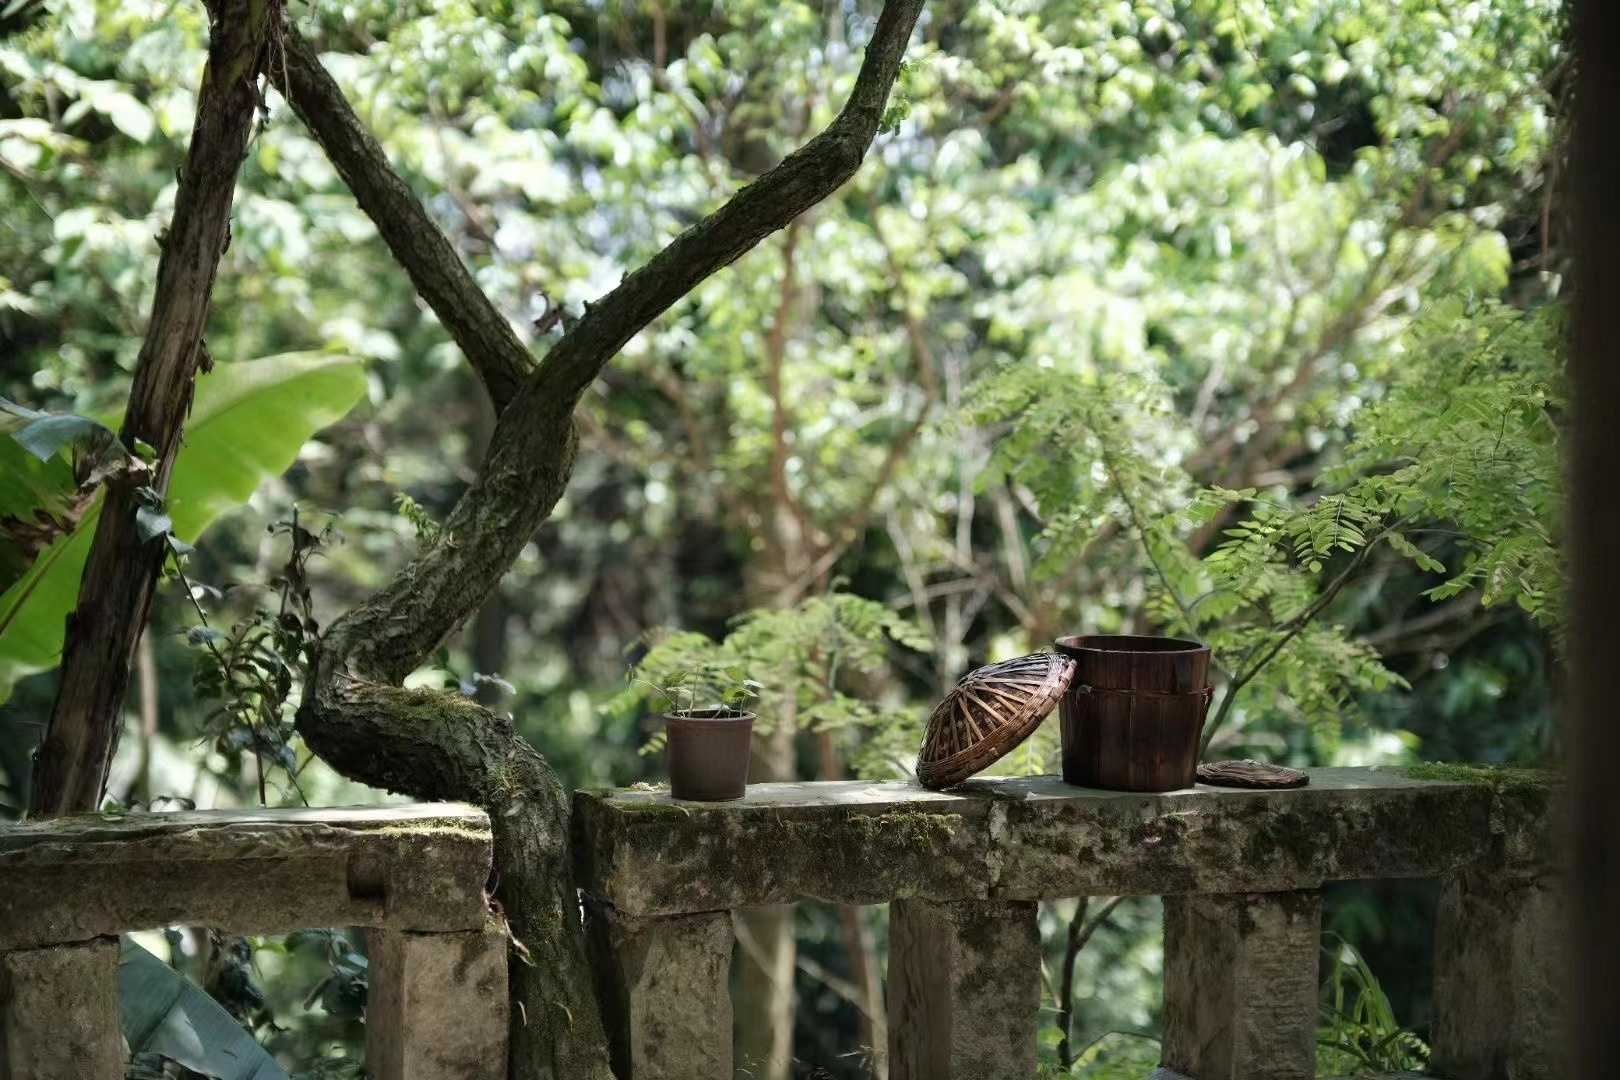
485, 337
440, 746
122, 570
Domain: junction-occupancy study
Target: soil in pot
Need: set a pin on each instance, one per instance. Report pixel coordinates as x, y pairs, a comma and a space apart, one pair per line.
1133, 714
708, 754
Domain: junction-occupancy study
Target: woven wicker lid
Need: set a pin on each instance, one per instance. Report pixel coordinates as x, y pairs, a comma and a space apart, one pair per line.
990, 712
1251, 774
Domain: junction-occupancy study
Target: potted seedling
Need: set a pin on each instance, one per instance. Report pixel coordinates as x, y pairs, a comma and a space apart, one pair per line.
708, 729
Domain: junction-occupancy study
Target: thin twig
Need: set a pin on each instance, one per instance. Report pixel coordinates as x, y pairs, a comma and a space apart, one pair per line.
1079, 935
1247, 671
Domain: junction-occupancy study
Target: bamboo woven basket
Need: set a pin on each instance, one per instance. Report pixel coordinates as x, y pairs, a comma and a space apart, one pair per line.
990, 712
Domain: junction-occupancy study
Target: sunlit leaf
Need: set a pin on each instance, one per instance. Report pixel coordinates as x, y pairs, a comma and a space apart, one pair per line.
247, 424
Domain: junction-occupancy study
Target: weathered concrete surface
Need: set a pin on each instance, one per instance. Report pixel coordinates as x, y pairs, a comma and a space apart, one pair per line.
664, 988
851, 843
1240, 985
401, 867
438, 1007
1035, 838
964, 990
59, 1013
1501, 962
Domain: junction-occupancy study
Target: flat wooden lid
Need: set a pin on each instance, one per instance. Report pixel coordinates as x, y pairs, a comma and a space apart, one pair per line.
990, 712
1250, 774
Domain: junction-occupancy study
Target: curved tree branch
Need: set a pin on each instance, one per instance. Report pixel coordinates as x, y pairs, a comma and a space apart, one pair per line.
442, 746
484, 335
804, 178
532, 452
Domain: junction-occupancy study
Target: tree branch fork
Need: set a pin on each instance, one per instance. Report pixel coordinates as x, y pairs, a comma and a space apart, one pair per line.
434, 745
532, 449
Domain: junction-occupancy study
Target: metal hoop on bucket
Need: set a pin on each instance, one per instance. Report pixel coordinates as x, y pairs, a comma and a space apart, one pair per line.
1206, 693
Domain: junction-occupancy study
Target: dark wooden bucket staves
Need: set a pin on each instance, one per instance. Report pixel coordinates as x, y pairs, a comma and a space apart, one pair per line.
1133, 714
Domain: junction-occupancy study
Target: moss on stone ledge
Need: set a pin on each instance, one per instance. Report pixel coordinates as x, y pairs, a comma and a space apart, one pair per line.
1499, 778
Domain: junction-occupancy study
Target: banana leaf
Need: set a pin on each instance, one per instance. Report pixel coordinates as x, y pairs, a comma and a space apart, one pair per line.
248, 422
162, 1012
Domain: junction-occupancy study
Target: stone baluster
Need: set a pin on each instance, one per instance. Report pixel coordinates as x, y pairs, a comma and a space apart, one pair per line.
1500, 961
964, 990
665, 993
438, 1006
1240, 993
59, 1013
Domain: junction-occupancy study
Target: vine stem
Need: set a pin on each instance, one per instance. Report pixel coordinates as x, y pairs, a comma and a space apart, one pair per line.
258, 737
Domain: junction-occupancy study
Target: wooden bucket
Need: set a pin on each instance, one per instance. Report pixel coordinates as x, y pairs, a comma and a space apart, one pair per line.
1133, 714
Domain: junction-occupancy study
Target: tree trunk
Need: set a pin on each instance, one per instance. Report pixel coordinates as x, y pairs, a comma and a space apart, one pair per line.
437, 745
115, 594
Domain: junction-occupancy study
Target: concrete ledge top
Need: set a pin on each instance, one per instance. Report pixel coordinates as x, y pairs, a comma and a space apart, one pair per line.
226, 834
1032, 838
405, 867
812, 793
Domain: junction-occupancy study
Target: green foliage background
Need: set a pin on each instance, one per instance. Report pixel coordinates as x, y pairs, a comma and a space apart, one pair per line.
1224, 317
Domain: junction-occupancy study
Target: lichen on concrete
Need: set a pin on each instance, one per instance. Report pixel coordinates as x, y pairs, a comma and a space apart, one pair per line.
460, 829
1271, 834
913, 829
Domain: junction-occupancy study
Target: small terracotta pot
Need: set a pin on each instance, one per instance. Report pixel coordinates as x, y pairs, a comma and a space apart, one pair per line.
708, 754
1134, 711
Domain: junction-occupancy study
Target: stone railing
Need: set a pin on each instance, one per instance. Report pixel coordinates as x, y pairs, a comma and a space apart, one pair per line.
413, 876
963, 871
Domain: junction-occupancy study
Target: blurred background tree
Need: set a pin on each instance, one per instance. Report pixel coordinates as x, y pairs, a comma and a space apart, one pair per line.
1220, 317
